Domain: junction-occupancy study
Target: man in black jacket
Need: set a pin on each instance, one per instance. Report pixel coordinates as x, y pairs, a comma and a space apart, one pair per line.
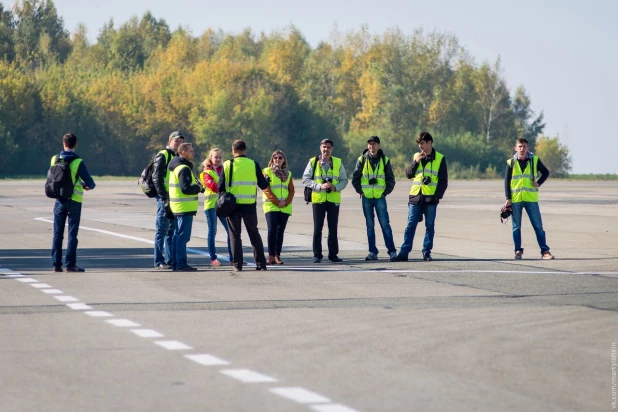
164, 227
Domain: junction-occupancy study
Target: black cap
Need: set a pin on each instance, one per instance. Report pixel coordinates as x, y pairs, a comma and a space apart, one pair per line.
374, 139
175, 135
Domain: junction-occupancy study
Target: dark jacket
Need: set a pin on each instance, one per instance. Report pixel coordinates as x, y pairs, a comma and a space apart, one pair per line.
184, 179
358, 172
442, 181
508, 173
82, 170
262, 183
159, 170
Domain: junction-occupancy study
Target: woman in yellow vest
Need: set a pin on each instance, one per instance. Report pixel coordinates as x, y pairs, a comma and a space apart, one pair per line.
277, 203
210, 176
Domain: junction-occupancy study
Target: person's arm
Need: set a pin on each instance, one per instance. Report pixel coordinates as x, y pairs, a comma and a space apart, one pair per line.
158, 175
261, 180
543, 171
411, 170
356, 176
390, 178
308, 180
442, 179
184, 178
343, 179
84, 176
508, 175
271, 196
290, 193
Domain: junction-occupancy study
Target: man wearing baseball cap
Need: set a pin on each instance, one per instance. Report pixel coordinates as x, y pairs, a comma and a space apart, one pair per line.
373, 179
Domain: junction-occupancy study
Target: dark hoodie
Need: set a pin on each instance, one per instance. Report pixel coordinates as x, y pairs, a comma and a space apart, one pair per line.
82, 170
442, 181
184, 179
374, 161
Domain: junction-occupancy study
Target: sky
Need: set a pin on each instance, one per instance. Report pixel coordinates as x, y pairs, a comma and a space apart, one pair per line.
565, 53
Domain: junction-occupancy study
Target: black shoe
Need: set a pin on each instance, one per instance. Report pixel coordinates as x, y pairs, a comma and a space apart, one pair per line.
261, 267
335, 259
74, 269
57, 269
317, 259
237, 269
163, 266
427, 257
186, 269
400, 258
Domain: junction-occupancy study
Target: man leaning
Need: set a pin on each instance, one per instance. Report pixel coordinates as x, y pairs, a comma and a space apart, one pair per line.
521, 188
373, 180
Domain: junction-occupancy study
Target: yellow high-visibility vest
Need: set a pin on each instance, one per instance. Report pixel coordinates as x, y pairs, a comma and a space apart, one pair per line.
322, 196
78, 189
179, 202
373, 191
522, 188
244, 180
280, 189
431, 169
210, 197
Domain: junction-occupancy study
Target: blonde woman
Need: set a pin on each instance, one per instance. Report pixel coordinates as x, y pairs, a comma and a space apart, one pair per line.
277, 203
213, 168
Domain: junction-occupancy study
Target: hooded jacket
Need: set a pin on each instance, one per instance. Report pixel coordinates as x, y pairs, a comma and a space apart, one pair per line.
82, 170
358, 172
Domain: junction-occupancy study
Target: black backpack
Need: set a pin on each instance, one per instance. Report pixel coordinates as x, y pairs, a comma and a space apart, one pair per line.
145, 180
226, 203
59, 184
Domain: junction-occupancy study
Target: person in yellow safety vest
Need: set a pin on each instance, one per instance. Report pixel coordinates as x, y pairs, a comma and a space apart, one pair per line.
210, 176
373, 180
183, 203
277, 203
71, 208
326, 177
164, 226
521, 188
246, 175
429, 174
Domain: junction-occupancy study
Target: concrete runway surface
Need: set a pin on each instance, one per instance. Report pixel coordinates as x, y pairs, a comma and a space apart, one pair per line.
473, 330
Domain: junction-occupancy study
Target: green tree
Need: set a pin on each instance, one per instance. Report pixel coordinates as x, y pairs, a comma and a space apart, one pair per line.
555, 156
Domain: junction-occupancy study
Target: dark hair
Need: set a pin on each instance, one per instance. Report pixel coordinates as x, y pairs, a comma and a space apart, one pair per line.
184, 147
70, 140
239, 146
425, 137
521, 140
327, 141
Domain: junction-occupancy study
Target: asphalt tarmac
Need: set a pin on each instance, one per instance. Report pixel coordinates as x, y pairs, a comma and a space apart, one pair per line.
473, 330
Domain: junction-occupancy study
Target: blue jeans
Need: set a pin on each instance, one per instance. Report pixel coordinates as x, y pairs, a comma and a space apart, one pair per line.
182, 235
62, 209
164, 230
414, 214
381, 210
211, 220
534, 214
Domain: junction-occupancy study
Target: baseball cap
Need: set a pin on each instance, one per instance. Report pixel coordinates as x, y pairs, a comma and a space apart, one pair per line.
374, 139
176, 135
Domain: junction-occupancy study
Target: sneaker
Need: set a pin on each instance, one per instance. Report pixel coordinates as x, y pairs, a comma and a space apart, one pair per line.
371, 256
278, 260
337, 259
163, 266
270, 260
427, 257
57, 269
317, 259
400, 258
237, 269
215, 262
519, 255
261, 267
392, 255
74, 269
547, 255
186, 269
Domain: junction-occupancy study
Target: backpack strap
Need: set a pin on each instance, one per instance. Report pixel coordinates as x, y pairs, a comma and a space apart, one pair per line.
229, 184
315, 163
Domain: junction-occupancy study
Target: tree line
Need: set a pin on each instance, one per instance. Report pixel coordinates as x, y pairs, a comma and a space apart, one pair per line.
124, 94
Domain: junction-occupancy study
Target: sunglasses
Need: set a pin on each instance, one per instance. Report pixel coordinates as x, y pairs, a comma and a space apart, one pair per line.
278, 157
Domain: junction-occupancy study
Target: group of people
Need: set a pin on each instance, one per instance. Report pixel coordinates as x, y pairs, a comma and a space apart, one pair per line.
324, 178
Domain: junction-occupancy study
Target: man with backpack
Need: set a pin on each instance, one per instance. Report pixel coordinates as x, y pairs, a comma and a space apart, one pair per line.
61, 179
164, 226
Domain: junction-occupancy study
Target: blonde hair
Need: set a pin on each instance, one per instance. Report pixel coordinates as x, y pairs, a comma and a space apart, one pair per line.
284, 165
208, 161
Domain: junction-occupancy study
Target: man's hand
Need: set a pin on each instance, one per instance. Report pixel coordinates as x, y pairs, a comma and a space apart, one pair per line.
535, 184
326, 185
86, 187
508, 203
282, 204
419, 156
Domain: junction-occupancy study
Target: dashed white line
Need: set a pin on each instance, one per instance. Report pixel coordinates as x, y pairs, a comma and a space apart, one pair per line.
332, 407
206, 360
147, 333
299, 395
79, 306
40, 285
51, 291
122, 323
247, 376
66, 298
14, 275
98, 314
26, 280
173, 345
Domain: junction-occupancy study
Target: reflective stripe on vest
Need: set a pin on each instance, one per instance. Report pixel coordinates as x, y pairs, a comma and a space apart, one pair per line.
78, 189
279, 189
244, 180
522, 188
179, 202
322, 196
431, 169
373, 191
210, 197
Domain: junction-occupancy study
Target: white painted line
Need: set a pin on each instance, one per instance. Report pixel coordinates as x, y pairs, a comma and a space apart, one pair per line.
14, 275
40, 285
247, 376
98, 314
6, 270
51, 291
173, 345
299, 395
332, 407
66, 298
123, 323
147, 333
26, 280
79, 306
206, 360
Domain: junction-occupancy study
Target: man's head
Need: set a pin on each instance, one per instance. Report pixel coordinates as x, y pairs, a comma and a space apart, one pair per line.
239, 147
373, 144
186, 150
425, 142
176, 139
521, 147
69, 141
326, 148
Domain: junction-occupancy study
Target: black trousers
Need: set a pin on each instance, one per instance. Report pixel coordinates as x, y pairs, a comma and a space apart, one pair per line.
277, 222
235, 226
331, 212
